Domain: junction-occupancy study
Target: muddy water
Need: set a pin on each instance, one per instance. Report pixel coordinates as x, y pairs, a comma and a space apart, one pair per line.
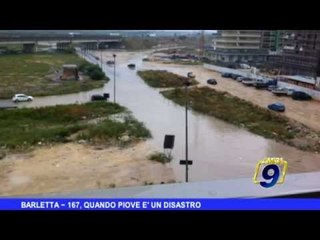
218, 149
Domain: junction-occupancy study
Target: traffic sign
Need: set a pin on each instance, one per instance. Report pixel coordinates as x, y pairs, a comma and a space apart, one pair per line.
184, 162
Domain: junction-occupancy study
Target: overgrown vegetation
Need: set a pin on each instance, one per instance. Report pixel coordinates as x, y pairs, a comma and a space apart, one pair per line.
113, 130
92, 70
33, 74
245, 114
22, 128
160, 157
163, 79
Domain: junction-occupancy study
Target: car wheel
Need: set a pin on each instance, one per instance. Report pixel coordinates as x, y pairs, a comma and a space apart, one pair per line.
29, 99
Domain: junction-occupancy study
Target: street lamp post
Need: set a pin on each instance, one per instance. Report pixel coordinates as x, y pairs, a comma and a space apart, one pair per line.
187, 84
101, 57
114, 78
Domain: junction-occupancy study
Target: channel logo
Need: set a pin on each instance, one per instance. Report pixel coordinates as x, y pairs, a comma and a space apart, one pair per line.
273, 170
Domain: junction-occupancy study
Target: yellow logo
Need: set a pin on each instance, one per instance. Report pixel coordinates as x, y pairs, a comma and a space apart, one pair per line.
277, 165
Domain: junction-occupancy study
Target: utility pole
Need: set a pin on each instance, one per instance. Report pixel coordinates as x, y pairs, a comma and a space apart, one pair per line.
186, 108
187, 162
101, 58
114, 78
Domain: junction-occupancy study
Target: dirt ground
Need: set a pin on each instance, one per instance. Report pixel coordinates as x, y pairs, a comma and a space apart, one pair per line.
306, 112
76, 167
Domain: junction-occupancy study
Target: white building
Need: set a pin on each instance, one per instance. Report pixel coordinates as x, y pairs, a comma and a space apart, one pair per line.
238, 46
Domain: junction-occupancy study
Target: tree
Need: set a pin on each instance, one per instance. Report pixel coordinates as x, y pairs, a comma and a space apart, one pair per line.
97, 74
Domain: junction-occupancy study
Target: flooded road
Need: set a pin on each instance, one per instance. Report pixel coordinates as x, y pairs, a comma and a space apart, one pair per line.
219, 150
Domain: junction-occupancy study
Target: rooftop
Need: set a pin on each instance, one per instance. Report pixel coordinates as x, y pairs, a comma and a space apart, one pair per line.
300, 78
70, 66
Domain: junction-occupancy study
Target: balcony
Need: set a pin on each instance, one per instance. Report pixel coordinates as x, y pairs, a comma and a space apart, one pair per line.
237, 47
257, 41
240, 35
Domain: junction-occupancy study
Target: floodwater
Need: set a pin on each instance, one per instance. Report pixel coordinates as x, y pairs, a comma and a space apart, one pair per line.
219, 150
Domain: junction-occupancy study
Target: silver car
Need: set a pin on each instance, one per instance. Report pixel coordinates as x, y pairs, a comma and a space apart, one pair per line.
22, 98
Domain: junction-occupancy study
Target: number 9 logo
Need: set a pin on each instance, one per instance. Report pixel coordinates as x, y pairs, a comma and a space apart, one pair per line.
267, 176
270, 171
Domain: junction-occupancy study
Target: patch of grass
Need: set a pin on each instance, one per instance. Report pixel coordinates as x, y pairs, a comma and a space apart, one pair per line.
160, 157
163, 79
49, 89
22, 128
29, 74
241, 113
136, 128
108, 130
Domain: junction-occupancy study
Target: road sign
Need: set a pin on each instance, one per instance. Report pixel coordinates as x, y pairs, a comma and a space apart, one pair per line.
184, 162
168, 141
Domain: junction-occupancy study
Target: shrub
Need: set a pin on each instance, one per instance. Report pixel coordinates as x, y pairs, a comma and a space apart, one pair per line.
160, 157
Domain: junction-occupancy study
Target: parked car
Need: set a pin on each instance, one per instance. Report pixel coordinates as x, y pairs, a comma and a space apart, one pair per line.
212, 81
297, 95
110, 62
235, 76
248, 82
283, 91
22, 98
265, 83
272, 87
226, 75
98, 97
131, 65
261, 84
279, 107
239, 79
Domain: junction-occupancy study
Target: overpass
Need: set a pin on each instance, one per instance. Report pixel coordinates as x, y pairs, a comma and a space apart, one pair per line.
86, 42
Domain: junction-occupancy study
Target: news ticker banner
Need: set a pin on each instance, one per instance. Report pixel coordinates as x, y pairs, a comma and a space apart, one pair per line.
159, 204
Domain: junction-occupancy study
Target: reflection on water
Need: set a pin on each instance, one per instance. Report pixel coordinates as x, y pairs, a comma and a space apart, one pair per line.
218, 149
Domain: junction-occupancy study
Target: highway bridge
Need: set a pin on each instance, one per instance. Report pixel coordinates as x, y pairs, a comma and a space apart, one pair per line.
89, 42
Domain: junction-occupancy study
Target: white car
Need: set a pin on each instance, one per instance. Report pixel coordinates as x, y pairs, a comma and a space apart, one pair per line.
22, 98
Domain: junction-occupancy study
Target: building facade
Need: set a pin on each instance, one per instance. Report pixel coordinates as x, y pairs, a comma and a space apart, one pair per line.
241, 46
300, 53
271, 40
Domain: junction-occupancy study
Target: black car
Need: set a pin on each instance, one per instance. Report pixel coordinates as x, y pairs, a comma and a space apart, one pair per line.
98, 97
297, 95
212, 81
131, 65
226, 75
234, 76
